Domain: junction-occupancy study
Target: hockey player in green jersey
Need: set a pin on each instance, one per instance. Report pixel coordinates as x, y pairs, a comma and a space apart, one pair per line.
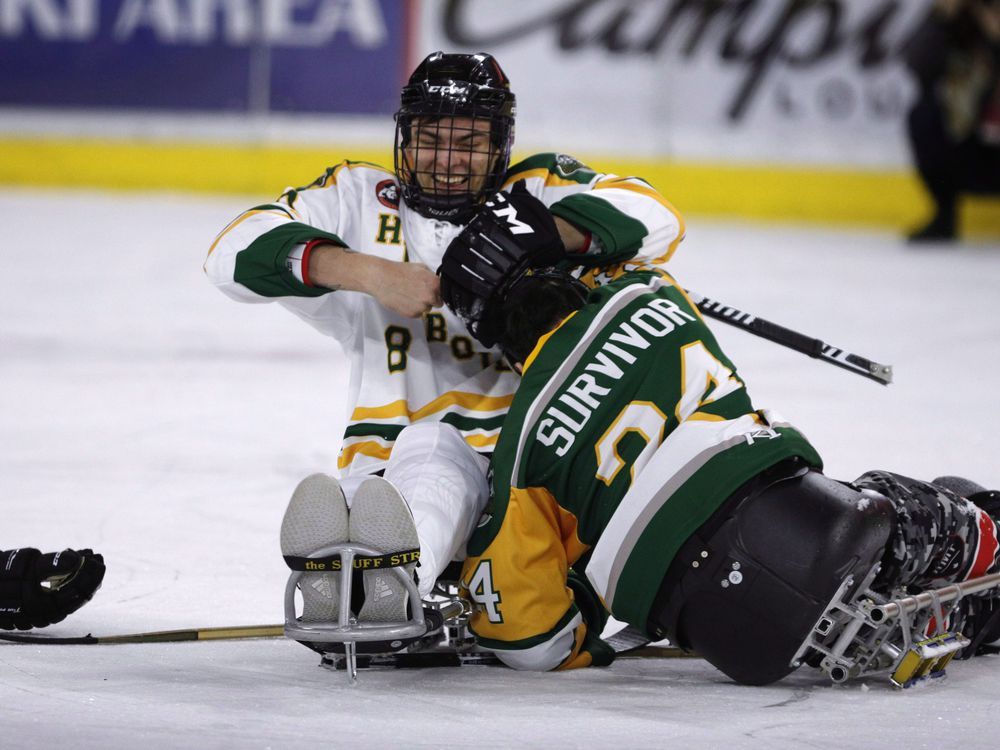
633, 456
354, 253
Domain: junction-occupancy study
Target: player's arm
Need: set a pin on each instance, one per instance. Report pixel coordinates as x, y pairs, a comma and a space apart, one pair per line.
409, 289
574, 239
294, 248
524, 607
603, 218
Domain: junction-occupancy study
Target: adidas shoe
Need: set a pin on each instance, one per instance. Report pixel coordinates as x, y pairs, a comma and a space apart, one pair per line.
316, 517
381, 519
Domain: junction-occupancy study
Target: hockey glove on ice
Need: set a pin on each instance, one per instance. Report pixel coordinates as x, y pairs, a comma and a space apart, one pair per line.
595, 616
513, 231
40, 589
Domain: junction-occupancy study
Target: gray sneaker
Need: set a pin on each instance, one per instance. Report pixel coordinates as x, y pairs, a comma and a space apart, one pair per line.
381, 519
316, 517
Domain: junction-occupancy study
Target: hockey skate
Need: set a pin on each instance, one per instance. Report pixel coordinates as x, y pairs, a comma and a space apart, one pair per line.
331, 550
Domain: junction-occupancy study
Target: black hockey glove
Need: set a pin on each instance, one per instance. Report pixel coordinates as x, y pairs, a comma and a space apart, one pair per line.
529, 221
513, 231
40, 589
595, 616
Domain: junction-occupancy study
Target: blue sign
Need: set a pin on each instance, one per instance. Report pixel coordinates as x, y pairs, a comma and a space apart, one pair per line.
323, 56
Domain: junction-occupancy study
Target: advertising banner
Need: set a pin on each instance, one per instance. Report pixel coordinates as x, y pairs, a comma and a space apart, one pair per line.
320, 56
793, 81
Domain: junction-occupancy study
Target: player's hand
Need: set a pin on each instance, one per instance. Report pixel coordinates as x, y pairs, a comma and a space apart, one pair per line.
410, 289
39, 589
530, 223
587, 601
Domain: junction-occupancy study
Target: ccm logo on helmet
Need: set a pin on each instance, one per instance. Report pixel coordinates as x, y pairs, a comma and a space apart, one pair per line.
455, 89
508, 213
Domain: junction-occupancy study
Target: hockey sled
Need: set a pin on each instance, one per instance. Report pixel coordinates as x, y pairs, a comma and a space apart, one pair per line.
436, 634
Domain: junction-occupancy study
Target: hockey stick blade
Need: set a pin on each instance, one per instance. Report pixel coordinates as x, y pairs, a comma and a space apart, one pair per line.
626, 640
794, 340
230, 633
632, 642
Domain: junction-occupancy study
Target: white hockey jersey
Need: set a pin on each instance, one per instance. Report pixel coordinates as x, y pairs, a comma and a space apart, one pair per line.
406, 370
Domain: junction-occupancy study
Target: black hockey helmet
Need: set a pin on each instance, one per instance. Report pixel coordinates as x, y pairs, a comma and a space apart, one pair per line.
534, 305
454, 134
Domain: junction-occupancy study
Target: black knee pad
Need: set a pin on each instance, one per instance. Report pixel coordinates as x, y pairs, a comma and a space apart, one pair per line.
772, 568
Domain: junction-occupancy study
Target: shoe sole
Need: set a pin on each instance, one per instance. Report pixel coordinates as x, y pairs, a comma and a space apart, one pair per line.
316, 517
381, 519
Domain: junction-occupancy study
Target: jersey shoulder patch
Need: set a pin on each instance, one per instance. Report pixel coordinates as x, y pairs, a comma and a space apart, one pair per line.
553, 167
387, 192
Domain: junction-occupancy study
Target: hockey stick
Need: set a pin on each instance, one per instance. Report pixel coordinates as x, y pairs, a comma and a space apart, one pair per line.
793, 339
624, 641
627, 642
161, 636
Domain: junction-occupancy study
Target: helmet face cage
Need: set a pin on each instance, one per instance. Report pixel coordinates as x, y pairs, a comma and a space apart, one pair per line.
454, 134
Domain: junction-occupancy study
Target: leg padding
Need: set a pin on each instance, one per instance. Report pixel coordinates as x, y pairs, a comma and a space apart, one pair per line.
772, 567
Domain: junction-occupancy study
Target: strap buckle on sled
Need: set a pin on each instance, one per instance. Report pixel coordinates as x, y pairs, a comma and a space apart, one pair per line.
336, 559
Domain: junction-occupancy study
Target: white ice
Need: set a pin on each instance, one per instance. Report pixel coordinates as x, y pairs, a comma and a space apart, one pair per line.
145, 415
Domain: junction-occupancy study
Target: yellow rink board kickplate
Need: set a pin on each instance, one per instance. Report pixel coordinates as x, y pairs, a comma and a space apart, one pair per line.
887, 199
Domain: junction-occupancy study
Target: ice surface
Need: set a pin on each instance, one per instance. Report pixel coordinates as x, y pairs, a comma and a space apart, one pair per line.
146, 415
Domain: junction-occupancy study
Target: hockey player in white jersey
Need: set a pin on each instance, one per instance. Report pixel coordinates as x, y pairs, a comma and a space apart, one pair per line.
355, 253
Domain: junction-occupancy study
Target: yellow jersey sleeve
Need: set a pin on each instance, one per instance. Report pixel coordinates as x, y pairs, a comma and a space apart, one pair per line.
523, 609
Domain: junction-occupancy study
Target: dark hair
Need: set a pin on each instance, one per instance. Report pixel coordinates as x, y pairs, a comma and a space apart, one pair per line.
536, 304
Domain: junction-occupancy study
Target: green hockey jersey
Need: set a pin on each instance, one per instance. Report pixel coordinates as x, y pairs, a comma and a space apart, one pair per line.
629, 429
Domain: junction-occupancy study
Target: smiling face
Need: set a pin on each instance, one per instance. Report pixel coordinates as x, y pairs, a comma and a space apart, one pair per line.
450, 156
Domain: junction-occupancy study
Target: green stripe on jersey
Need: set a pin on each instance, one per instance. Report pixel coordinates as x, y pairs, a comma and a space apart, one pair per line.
562, 166
390, 432
620, 234
263, 266
387, 432
275, 207
465, 423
